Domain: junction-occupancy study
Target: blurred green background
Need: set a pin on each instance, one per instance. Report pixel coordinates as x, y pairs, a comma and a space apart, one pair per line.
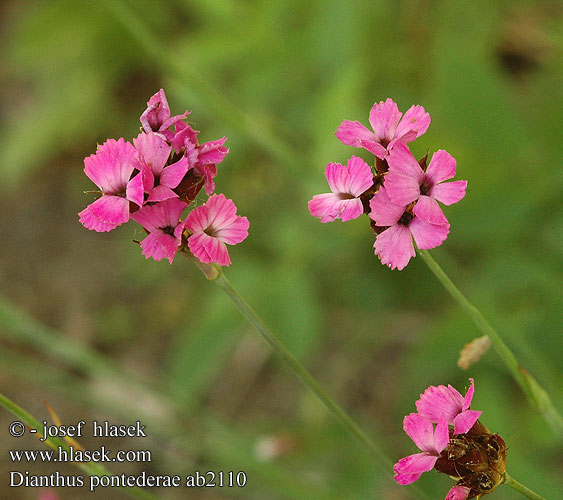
174, 352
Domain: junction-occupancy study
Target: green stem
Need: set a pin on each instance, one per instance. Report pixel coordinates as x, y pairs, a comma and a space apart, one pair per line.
214, 273
535, 393
520, 488
90, 468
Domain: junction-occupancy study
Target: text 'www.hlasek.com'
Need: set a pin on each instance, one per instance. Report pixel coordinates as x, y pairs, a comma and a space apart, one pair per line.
94, 460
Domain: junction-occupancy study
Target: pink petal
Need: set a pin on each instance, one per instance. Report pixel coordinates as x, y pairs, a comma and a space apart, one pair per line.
441, 436
216, 215
161, 193
147, 218
441, 167
213, 152
469, 395
173, 174
178, 232
401, 161
360, 176
353, 179
405, 479
157, 111
198, 220
384, 118
420, 430
458, 493
153, 150
135, 190
325, 206
409, 469
208, 172
121, 150
427, 235
465, 420
166, 124
415, 119
449, 192
236, 232
429, 211
148, 178
440, 401
105, 214
222, 211
160, 245
337, 177
355, 134
172, 211
184, 133
383, 211
112, 165
330, 206
161, 215
401, 189
208, 249
351, 209
404, 139
394, 246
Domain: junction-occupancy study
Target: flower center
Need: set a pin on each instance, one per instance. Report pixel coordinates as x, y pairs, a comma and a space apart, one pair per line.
210, 231
406, 219
426, 186
168, 230
345, 196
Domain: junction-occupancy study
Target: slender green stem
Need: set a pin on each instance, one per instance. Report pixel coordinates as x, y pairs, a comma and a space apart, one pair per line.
90, 468
536, 394
520, 488
215, 274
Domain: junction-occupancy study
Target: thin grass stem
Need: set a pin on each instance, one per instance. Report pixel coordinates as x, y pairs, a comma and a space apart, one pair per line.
214, 273
537, 396
520, 488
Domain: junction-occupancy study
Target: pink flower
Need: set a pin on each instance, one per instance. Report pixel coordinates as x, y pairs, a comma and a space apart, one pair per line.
202, 157
214, 224
407, 182
111, 169
446, 402
209, 155
162, 221
347, 184
394, 245
458, 493
156, 118
158, 179
431, 442
388, 128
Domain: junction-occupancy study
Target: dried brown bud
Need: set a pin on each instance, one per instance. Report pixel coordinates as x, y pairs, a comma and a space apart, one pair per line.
477, 459
473, 352
189, 187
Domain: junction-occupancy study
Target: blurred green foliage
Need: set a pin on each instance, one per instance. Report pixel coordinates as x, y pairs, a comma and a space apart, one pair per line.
489, 73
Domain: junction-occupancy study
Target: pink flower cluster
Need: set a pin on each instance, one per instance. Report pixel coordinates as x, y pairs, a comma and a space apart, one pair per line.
400, 194
153, 180
449, 410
